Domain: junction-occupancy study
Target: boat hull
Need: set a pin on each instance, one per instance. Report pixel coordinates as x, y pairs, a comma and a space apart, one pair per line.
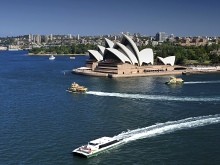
170, 83
77, 152
52, 58
174, 80
76, 91
76, 88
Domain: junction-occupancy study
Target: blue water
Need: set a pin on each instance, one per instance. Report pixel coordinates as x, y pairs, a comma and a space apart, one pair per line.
41, 123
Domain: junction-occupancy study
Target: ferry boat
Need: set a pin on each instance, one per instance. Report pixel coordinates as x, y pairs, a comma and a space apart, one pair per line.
51, 57
174, 80
77, 88
97, 146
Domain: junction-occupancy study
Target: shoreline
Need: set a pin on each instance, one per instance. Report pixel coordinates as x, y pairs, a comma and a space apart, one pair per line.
49, 54
162, 73
100, 74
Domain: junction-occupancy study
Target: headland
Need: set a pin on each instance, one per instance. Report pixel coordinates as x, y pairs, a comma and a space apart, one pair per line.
124, 59
188, 70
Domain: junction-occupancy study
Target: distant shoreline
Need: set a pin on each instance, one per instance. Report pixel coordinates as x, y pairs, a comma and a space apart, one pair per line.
49, 54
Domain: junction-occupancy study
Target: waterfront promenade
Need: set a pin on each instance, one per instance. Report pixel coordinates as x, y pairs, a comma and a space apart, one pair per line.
189, 70
100, 74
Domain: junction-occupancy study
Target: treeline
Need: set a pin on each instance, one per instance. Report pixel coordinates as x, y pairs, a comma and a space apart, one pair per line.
73, 49
205, 55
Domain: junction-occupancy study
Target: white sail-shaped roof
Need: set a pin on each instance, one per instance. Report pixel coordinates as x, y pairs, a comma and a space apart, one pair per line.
118, 54
170, 60
129, 43
126, 51
146, 56
102, 49
108, 43
96, 55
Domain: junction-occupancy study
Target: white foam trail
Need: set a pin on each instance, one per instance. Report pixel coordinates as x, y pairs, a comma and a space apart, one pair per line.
168, 127
202, 82
153, 97
65, 71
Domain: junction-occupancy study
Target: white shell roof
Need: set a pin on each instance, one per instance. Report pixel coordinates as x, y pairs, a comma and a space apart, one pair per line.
127, 51
120, 55
130, 55
102, 49
133, 45
109, 43
146, 56
96, 55
168, 60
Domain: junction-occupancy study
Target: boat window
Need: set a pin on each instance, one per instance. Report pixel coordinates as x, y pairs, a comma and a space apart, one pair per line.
107, 144
93, 144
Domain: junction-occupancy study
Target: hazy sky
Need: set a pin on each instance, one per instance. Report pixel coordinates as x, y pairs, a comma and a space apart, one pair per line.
96, 17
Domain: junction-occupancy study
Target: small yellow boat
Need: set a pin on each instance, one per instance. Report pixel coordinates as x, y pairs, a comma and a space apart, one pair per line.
77, 88
174, 80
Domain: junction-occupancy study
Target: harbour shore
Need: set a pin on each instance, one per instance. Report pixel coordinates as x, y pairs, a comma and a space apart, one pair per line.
49, 54
195, 70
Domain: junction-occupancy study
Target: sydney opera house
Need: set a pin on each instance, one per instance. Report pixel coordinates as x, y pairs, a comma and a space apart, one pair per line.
124, 59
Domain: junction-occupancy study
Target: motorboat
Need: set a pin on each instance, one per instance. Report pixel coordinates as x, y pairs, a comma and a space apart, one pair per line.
77, 88
174, 80
52, 57
97, 146
72, 57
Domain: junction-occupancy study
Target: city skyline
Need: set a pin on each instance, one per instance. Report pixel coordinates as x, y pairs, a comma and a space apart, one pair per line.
182, 18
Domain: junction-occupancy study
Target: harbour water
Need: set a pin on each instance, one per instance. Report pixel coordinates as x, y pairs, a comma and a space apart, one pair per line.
41, 123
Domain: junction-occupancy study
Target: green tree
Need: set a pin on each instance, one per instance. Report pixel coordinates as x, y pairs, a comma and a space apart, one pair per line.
215, 58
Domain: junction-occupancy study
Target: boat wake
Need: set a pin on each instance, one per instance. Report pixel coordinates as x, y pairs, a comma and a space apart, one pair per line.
65, 71
203, 82
168, 127
154, 97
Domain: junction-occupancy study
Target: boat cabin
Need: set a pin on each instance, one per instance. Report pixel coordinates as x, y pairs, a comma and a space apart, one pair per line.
102, 142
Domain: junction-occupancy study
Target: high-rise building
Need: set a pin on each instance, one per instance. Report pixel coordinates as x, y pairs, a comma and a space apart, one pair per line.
46, 38
70, 36
30, 38
161, 36
38, 39
51, 37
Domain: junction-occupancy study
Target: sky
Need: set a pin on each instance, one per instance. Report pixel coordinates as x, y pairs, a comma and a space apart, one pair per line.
101, 17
